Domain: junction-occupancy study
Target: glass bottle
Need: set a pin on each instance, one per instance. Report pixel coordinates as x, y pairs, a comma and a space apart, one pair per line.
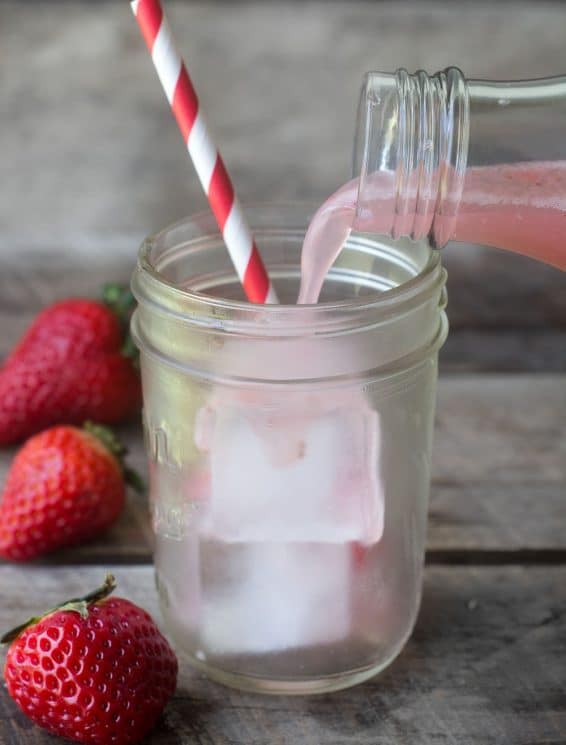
447, 158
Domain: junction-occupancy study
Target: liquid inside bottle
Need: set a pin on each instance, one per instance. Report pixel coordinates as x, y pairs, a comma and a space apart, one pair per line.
451, 161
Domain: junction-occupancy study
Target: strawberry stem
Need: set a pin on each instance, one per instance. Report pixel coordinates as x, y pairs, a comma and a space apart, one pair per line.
121, 301
112, 443
133, 479
76, 605
107, 437
130, 351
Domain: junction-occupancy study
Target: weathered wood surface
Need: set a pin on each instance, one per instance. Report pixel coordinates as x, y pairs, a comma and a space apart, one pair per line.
90, 152
499, 474
504, 350
509, 320
485, 666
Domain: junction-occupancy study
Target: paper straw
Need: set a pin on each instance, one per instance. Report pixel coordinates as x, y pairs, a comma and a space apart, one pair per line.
203, 152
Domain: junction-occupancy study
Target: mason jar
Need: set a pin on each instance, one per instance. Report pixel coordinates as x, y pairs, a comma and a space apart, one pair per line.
289, 450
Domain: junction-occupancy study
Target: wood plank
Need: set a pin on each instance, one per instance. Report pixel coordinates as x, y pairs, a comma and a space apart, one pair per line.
501, 429
490, 293
512, 325
485, 665
499, 473
91, 149
490, 289
467, 350
504, 350
506, 517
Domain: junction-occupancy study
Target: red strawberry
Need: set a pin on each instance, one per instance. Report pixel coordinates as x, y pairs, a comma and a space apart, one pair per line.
65, 486
94, 670
70, 366
37, 394
75, 327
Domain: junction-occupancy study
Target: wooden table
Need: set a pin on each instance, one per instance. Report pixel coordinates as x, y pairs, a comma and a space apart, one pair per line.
91, 162
487, 661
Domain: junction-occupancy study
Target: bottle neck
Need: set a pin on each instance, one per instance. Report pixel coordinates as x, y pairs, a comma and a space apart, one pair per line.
418, 134
411, 150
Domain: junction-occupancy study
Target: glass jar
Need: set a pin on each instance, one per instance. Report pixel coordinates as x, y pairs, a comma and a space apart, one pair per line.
476, 161
289, 450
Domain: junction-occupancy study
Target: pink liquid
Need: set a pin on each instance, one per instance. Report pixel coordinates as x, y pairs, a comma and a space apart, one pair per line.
519, 207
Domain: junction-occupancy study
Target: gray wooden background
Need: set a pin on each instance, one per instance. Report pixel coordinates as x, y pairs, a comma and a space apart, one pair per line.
91, 160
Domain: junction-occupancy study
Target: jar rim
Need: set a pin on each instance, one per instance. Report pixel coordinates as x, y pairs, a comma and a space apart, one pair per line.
287, 317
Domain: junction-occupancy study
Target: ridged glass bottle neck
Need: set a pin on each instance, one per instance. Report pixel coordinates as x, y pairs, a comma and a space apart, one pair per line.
418, 134
415, 128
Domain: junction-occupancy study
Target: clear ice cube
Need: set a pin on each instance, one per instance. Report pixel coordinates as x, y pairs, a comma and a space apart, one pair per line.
276, 596
293, 476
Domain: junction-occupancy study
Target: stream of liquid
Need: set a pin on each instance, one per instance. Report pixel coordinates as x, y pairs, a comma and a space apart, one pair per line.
519, 207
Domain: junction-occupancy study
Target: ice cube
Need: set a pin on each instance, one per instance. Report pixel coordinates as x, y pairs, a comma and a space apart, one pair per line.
294, 475
275, 596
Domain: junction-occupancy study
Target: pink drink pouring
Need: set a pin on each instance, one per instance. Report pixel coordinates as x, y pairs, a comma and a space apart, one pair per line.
519, 207
445, 158
285, 561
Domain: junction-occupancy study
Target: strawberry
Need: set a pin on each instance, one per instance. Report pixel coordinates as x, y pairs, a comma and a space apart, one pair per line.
75, 327
70, 366
96, 670
65, 486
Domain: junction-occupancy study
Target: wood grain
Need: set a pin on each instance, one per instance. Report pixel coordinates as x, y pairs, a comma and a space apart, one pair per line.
506, 314
499, 473
501, 429
504, 350
484, 667
90, 151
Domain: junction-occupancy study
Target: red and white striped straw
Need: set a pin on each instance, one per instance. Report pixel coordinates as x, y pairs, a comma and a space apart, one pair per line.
204, 154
